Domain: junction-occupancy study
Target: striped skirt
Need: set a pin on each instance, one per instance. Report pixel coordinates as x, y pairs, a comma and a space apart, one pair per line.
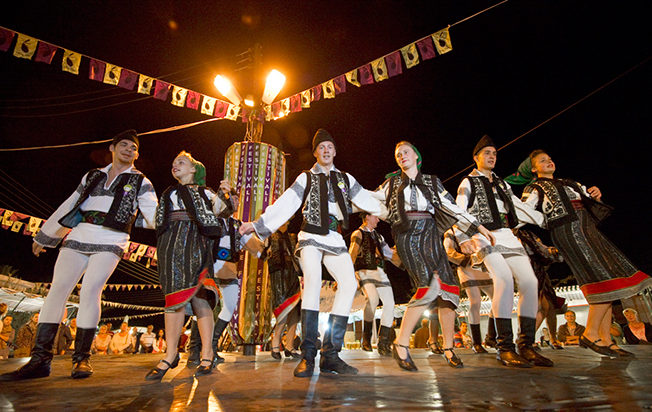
286, 291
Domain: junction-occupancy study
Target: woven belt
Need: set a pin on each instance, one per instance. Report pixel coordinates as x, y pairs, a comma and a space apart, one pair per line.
334, 224
179, 215
93, 217
418, 215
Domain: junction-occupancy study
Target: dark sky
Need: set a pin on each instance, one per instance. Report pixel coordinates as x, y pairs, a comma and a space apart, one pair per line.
511, 68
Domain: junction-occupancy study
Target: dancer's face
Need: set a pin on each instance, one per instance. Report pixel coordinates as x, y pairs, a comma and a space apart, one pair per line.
371, 221
543, 164
486, 158
325, 153
125, 152
183, 169
406, 157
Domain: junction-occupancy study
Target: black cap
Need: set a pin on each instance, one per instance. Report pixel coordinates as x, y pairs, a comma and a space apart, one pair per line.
321, 135
484, 142
126, 135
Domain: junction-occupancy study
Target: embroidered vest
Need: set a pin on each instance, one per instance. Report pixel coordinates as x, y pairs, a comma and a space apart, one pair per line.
316, 197
370, 249
122, 213
197, 205
482, 202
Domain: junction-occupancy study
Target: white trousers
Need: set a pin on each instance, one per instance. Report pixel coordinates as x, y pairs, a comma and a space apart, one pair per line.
386, 296
69, 268
474, 293
505, 271
229, 301
341, 269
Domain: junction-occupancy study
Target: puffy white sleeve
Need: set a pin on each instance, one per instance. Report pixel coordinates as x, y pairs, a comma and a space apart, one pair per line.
282, 209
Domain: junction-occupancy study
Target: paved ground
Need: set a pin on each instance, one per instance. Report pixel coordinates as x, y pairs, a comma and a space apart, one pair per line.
580, 380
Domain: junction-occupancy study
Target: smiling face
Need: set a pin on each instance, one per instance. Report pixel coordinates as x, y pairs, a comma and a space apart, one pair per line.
543, 165
182, 169
570, 317
124, 152
406, 157
371, 221
325, 153
103, 329
485, 159
630, 315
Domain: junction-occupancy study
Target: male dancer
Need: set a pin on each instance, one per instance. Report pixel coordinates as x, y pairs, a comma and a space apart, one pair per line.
368, 250
100, 213
326, 196
487, 197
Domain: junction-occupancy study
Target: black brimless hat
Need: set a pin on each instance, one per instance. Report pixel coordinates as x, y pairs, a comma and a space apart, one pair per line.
484, 142
126, 135
321, 135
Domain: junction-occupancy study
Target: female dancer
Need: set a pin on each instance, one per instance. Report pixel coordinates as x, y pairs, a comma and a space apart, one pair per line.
603, 272
412, 199
186, 224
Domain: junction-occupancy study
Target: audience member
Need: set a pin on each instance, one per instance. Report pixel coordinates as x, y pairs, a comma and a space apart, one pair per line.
121, 342
72, 325
160, 345
109, 329
421, 335
147, 340
26, 337
183, 340
6, 337
461, 339
636, 332
569, 333
101, 342
63, 339
135, 338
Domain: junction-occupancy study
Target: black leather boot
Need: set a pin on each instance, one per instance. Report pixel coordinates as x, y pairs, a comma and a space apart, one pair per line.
506, 351
366, 336
476, 335
194, 346
81, 367
218, 330
330, 361
39, 364
384, 341
490, 337
309, 332
526, 340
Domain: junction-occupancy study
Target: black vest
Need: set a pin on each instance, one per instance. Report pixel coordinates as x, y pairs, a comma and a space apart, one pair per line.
281, 251
316, 197
197, 205
370, 249
121, 214
482, 202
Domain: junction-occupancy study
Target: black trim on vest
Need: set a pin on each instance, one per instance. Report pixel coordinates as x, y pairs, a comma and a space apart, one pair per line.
368, 258
323, 229
213, 231
495, 222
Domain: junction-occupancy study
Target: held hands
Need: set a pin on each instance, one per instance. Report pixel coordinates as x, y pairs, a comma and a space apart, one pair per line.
225, 186
595, 193
471, 246
468, 247
486, 233
37, 249
246, 228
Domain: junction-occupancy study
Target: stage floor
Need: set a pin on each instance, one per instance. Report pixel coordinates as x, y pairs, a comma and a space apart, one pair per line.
579, 380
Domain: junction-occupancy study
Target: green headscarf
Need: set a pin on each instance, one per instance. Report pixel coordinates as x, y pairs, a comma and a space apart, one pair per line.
399, 171
200, 172
523, 175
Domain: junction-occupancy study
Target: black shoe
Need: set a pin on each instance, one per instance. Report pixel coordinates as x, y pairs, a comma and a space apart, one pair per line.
602, 350
367, 329
39, 364
453, 361
478, 348
476, 337
621, 352
331, 363
81, 369
407, 363
384, 341
384, 348
490, 342
204, 370
217, 360
305, 368
276, 355
292, 354
556, 346
157, 374
435, 348
513, 359
532, 356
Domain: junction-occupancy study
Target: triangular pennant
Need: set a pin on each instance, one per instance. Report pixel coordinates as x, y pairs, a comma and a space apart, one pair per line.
316, 93
128, 79
145, 84
207, 107
352, 77
220, 109
295, 103
232, 112
285, 106
45, 52
96, 70
25, 46
410, 55
340, 84
6, 37
192, 101
442, 41
71, 61
179, 96
305, 99
393, 63
379, 69
129, 287
161, 90
112, 74
366, 76
329, 89
426, 48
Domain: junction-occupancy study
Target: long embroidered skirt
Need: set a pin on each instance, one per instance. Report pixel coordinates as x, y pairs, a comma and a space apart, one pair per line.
422, 252
286, 291
602, 271
185, 265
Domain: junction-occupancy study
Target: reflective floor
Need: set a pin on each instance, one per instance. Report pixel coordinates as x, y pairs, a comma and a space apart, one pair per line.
580, 380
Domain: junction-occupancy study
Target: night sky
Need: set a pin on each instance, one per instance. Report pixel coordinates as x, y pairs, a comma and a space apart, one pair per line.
511, 68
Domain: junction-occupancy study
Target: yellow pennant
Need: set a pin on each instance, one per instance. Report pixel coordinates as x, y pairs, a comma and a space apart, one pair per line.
379, 68
285, 106
305, 98
352, 77
269, 116
329, 89
71, 61
208, 105
34, 224
112, 74
179, 96
141, 250
410, 55
25, 46
442, 41
145, 84
16, 226
6, 221
232, 112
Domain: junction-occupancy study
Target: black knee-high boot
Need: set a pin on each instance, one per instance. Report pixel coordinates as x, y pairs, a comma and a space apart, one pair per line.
81, 367
490, 337
366, 336
526, 340
220, 325
384, 341
309, 332
476, 335
506, 350
39, 364
194, 346
333, 340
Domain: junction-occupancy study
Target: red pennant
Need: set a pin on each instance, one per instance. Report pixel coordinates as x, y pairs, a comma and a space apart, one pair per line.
365, 73
316, 93
426, 48
45, 52
96, 70
6, 36
340, 84
128, 79
161, 90
393, 62
245, 114
295, 103
192, 100
220, 109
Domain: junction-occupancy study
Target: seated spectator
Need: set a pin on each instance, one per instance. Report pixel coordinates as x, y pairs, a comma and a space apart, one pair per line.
461, 338
569, 333
109, 328
636, 332
147, 340
3, 311
63, 339
135, 339
183, 340
26, 337
6, 337
72, 325
160, 345
545, 339
421, 335
101, 342
121, 342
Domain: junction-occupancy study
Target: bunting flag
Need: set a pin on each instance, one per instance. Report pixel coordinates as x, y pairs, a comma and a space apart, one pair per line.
442, 41
232, 112
145, 84
316, 93
352, 77
128, 79
305, 99
192, 101
221, 108
114, 318
426, 48
161, 90
267, 108
276, 110
410, 55
393, 64
208, 105
45, 52
379, 69
179, 96
96, 70
6, 37
285, 106
329, 89
112, 74
339, 83
366, 76
295, 103
25, 47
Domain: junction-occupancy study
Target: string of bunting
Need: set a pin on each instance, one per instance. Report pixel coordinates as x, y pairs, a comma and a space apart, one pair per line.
146, 315
129, 306
376, 71
30, 225
27, 47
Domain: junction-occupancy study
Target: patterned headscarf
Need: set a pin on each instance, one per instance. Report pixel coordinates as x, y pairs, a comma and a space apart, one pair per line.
523, 174
200, 169
419, 159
